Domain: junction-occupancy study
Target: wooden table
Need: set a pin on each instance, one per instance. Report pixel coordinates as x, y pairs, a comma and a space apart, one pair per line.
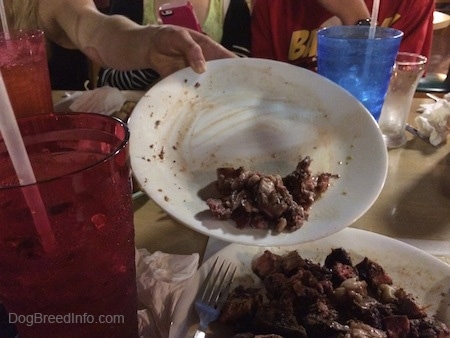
414, 205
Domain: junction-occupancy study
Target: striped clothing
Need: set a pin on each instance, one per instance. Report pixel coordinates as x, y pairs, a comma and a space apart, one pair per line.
231, 29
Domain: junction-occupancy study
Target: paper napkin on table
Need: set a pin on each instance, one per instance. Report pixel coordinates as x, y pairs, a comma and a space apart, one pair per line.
161, 278
103, 100
434, 122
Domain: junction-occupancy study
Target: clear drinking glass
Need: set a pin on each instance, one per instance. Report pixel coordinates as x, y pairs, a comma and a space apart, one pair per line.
408, 70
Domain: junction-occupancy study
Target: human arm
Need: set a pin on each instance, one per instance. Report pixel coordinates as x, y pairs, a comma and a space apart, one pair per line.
348, 11
117, 42
138, 79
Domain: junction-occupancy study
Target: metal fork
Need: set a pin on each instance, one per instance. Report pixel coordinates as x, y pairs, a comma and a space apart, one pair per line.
212, 294
418, 134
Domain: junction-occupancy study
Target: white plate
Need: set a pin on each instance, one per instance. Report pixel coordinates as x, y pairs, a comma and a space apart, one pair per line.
263, 115
416, 271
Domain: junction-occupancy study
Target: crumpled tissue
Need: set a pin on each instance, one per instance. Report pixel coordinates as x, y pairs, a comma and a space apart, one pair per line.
434, 122
161, 278
103, 100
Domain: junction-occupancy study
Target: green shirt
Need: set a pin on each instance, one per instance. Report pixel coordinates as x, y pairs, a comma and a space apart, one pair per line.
213, 25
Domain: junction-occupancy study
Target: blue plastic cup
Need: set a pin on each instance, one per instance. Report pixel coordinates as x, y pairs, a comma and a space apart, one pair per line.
362, 66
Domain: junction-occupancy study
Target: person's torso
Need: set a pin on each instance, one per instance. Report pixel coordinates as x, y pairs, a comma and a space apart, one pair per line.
294, 24
211, 26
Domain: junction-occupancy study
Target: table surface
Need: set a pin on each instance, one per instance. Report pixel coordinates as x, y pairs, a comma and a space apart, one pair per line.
440, 20
414, 204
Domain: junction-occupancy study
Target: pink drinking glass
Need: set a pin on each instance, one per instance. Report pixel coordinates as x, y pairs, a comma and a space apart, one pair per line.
84, 285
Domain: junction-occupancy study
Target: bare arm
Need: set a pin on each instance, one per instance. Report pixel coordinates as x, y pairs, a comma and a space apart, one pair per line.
116, 42
349, 11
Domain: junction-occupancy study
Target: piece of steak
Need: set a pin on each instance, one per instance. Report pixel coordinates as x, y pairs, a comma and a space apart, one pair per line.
299, 299
262, 201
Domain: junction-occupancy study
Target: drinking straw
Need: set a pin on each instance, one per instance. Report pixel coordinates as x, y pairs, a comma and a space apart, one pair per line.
3, 18
374, 18
21, 162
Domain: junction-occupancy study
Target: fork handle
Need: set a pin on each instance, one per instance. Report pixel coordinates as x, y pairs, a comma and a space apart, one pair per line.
199, 334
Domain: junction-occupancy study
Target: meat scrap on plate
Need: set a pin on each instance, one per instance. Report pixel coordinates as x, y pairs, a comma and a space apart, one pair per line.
339, 299
261, 201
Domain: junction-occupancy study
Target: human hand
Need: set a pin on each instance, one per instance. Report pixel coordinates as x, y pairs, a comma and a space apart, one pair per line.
348, 11
173, 48
119, 43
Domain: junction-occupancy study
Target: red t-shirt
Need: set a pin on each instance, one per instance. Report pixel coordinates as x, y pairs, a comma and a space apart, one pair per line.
285, 30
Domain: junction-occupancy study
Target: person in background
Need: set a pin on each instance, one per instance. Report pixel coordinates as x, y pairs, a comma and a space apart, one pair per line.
114, 41
225, 21
285, 30
132, 9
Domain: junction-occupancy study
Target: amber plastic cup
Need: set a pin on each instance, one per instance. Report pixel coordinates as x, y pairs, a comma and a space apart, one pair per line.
82, 284
24, 67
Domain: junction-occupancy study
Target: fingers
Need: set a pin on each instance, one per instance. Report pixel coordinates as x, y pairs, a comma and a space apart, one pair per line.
194, 53
199, 48
211, 50
178, 48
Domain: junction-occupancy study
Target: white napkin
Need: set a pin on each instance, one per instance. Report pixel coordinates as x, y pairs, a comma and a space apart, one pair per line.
161, 278
434, 122
103, 100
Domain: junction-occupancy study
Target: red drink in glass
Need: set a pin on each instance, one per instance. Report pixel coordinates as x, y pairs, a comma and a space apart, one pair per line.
84, 285
24, 67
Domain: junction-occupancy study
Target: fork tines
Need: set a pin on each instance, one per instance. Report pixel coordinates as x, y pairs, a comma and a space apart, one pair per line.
214, 289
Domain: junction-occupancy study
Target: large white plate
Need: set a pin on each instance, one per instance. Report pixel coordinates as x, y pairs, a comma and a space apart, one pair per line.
263, 115
417, 272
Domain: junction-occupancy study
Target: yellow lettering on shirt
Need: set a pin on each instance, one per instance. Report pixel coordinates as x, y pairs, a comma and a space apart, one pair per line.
303, 44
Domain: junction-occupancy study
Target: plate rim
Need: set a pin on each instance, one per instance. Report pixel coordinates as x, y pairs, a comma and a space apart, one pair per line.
245, 239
